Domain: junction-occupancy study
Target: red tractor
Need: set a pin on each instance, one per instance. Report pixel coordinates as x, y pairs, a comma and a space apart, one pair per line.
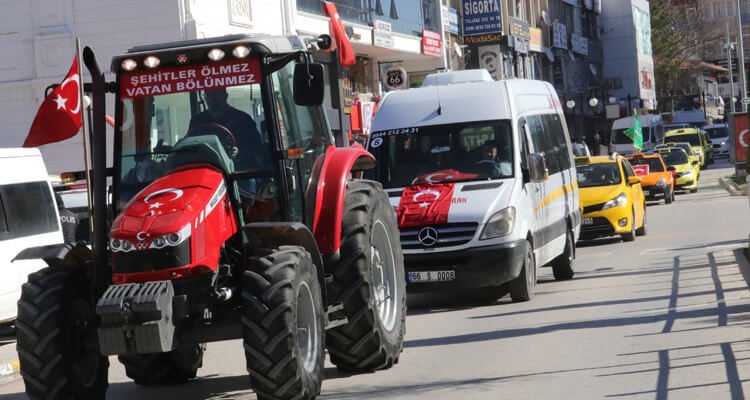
230, 215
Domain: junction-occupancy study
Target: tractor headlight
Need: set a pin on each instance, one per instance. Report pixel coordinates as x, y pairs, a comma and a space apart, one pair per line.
121, 245
172, 239
500, 224
620, 201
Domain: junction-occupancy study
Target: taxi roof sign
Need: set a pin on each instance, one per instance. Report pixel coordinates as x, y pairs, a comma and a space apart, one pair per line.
583, 160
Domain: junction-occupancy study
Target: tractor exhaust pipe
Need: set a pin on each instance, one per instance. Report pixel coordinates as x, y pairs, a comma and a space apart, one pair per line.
100, 272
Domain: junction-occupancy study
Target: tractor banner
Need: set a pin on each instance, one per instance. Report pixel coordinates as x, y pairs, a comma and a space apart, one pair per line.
189, 78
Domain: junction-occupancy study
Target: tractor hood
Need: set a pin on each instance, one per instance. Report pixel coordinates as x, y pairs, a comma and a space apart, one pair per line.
175, 203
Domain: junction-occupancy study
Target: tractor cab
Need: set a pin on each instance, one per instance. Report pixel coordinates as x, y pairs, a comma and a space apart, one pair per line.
230, 105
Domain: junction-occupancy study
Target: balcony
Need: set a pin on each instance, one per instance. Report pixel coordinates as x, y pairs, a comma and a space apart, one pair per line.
406, 16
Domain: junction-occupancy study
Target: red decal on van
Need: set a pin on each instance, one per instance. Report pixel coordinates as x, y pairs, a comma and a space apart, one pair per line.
425, 205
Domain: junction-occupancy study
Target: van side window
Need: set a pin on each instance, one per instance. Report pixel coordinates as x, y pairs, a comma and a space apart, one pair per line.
522, 141
28, 210
542, 143
556, 134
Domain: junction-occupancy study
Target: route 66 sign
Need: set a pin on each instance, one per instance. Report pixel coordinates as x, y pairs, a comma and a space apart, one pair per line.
394, 78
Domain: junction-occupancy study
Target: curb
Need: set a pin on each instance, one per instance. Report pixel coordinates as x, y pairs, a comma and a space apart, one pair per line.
731, 187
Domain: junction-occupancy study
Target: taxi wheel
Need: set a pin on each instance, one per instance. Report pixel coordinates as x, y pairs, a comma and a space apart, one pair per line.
642, 230
669, 197
693, 190
630, 236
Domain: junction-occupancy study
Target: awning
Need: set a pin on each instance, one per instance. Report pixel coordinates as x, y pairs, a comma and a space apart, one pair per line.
549, 53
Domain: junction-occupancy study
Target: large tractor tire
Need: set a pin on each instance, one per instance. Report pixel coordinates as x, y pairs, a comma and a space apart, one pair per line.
57, 341
370, 281
283, 325
177, 366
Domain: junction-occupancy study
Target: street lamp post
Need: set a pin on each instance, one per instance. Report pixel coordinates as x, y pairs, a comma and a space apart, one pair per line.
741, 56
730, 48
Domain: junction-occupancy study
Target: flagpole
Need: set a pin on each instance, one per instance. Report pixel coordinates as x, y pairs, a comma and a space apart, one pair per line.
86, 135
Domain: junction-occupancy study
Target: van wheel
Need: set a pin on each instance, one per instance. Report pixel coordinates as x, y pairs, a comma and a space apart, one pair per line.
642, 230
630, 236
562, 266
522, 288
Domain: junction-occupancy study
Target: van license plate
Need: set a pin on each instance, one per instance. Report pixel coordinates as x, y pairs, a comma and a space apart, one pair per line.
431, 276
587, 221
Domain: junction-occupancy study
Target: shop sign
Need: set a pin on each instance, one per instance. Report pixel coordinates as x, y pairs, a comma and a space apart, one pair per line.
535, 41
395, 78
450, 20
521, 45
559, 35
382, 34
519, 28
481, 17
190, 78
431, 44
579, 44
481, 39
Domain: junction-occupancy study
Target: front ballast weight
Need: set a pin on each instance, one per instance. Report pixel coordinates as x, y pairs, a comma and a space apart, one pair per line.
137, 318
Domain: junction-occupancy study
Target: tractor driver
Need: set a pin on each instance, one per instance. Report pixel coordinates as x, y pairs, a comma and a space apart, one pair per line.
249, 150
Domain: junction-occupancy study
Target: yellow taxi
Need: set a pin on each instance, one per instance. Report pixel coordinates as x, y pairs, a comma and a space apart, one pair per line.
697, 141
612, 200
686, 171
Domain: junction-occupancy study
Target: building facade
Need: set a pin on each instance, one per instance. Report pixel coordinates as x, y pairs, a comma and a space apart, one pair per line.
41, 44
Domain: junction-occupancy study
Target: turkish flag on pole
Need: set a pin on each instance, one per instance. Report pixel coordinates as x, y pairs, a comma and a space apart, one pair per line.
336, 29
59, 116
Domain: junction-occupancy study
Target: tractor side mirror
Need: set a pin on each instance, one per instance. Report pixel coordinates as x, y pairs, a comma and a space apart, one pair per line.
309, 84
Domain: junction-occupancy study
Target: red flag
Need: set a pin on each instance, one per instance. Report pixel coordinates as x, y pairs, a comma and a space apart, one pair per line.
336, 29
425, 205
59, 116
443, 175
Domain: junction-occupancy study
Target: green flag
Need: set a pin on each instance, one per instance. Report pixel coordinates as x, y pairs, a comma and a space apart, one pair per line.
635, 132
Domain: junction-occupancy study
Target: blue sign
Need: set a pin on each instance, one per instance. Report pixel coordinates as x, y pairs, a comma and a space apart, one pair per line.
453, 21
481, 17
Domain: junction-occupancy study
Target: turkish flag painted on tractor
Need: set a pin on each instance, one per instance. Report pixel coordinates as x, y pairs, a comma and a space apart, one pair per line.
425, 205
337, 31
59, 116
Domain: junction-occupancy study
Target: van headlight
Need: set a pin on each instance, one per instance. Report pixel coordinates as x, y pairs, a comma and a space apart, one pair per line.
172, 239
500, 224
620, 201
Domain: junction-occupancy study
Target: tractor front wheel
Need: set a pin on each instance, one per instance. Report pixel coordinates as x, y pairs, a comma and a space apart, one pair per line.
57, 342
370, 281
176, 366
283, 325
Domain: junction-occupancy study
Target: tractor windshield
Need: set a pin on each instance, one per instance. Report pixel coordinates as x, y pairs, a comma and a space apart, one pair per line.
209, 114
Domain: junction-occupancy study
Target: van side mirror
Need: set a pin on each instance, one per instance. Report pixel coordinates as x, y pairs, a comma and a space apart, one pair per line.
309, 84
538, 171
632, 180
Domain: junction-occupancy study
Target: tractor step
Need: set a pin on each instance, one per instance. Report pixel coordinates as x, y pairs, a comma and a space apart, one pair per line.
335, 317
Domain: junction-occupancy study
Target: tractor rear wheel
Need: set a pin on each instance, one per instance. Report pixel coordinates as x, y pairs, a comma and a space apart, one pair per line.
283, 325
176, 366
370, 281
57, 341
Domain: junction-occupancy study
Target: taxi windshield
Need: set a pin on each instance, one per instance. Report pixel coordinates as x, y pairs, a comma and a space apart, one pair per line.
604, 174
675, 157
443, 153
654, 165
691, 138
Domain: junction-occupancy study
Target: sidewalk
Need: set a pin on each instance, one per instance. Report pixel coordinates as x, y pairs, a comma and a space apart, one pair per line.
9, 370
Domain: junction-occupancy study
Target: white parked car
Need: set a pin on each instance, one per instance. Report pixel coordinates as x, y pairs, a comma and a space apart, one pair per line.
719, 135
28, 218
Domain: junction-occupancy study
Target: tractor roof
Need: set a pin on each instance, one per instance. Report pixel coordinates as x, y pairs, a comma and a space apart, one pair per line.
196, 50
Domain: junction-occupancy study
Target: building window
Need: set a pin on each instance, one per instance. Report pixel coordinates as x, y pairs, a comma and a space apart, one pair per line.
240, 13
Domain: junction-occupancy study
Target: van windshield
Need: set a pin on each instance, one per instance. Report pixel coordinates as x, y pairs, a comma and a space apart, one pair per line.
443, 153
619, 136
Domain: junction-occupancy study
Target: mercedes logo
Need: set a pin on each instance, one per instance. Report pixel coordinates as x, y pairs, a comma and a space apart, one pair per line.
428, 236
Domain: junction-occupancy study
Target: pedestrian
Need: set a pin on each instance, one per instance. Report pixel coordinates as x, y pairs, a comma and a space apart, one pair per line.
68, 221
595, 143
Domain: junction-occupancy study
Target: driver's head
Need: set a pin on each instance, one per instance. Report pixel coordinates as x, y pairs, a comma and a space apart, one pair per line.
216, 100
489, 151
